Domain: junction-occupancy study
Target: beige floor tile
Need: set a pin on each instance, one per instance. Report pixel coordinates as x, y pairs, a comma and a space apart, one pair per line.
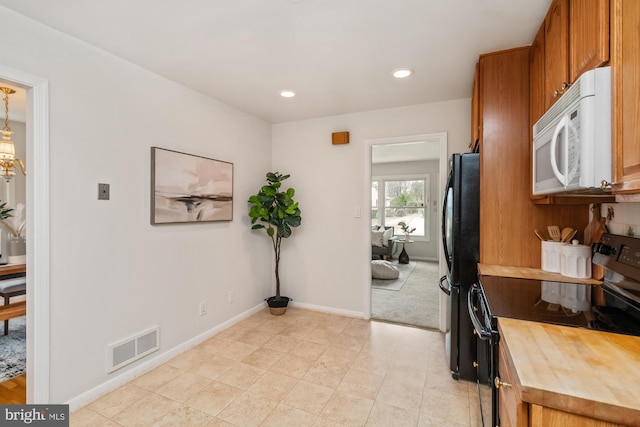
241, 376
306, 322
247, 410
213, 398
281, 343
309, 350
323, 422
322, 336
338, 356
217, 422
273, 386
361, 384
295, 331
372, 363
182, 387
326, 374
286, 416
358, 328
233, 333
263, 358
86, 417
213, 367
383, 415
446, 407
213, 345
118, 400
442, 382
293, 366
184, 416
347, 409
308, 397
237, 350
349, 342
189, 359
407, 396
426, 421
256, 338
158, 377
272, 327
146, 411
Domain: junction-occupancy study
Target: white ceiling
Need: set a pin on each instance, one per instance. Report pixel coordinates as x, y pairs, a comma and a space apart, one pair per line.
337, 55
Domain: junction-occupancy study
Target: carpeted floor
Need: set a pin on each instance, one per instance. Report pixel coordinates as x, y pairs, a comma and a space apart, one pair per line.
396, 284
416, 303
13, 348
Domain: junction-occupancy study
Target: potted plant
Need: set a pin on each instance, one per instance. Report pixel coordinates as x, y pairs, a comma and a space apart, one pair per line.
273, 209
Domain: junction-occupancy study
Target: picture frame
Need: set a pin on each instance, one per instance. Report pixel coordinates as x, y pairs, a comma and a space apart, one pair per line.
186, 188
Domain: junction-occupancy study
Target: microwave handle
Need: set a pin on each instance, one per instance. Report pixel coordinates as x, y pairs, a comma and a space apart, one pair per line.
554, 164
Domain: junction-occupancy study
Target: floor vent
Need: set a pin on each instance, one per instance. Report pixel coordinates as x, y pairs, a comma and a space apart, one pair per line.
133, 348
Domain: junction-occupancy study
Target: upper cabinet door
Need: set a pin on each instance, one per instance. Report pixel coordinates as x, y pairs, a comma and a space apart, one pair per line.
625, 58
589, 35
556, 50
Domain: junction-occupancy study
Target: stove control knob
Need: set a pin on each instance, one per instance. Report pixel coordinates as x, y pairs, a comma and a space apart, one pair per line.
603, 249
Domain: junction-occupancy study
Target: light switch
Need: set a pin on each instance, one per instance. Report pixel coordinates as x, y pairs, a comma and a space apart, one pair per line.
356, 212
103, 191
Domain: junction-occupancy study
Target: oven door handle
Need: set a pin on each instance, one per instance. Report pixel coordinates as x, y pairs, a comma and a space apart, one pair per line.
446, 290
483, 334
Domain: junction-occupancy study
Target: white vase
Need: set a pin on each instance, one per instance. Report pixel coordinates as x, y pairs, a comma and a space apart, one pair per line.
17, 250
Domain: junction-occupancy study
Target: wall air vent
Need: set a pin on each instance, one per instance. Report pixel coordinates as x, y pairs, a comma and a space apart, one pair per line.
129, 350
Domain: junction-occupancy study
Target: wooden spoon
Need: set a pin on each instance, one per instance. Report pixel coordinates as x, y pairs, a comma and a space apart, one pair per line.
554, 232
539, 234
567, 234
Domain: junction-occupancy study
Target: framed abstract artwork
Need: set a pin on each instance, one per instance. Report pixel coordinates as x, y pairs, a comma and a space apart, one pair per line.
189, 188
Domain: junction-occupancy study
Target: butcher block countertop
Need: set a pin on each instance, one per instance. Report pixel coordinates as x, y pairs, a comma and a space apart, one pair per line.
581, 371
529, 273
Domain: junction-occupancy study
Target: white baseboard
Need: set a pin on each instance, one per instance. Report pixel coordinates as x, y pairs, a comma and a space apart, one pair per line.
331, 310
112, 384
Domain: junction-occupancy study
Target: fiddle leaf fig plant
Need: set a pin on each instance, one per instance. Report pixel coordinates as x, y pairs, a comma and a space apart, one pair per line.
273, 209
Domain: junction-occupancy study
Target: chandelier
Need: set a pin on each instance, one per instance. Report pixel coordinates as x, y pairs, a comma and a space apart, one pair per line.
7, 149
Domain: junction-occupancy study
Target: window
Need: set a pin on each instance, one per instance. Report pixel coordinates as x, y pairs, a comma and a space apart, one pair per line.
401, 199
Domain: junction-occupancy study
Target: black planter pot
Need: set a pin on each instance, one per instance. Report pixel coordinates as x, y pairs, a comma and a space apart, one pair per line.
278, 307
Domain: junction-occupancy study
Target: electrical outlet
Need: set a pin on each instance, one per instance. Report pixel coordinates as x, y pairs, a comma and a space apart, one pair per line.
203, 308
232, 296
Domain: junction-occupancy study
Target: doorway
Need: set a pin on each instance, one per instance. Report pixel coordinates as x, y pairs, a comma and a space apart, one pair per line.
396, 171
38, 217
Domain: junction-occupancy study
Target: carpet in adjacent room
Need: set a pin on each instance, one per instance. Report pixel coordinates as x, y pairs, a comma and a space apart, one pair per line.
13, 349
415, 303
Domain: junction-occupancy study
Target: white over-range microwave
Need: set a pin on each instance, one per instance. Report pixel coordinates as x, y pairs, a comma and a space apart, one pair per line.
572, 141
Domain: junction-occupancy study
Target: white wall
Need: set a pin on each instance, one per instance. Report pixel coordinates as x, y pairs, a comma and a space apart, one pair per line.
626, 216
324, 263
112, 273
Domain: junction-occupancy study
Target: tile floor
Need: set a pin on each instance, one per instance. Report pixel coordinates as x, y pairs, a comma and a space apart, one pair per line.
302, 369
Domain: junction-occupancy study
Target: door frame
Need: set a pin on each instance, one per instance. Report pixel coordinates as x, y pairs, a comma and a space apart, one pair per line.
38, 242
441, 139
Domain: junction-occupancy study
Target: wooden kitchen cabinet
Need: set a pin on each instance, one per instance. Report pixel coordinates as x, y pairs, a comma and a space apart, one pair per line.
512, 411
556, 50
508, 216
573, 38
475, 114
588, 36
626, 95
542, 416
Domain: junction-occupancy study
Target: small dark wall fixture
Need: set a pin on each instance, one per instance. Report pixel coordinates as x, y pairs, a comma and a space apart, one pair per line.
338, 138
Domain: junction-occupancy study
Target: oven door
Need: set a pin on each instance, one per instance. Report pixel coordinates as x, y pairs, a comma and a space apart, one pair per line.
487, 339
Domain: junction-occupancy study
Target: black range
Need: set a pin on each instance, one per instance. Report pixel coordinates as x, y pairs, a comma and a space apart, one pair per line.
613, 306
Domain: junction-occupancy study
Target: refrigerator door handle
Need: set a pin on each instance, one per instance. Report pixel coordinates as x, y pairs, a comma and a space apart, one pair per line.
483, 334
446, 290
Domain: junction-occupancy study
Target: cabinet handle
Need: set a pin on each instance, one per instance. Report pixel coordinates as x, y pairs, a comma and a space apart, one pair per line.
499, 383
562, 90
604, 184
475, 364
475, 332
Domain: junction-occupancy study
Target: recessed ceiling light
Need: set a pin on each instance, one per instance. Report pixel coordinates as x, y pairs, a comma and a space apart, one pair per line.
287, 94
401, 73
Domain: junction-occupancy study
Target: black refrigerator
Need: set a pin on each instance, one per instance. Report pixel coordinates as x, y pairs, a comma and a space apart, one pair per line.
461, 246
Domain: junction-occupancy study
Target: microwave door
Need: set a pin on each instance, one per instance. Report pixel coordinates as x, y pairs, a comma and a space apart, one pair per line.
559, 147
